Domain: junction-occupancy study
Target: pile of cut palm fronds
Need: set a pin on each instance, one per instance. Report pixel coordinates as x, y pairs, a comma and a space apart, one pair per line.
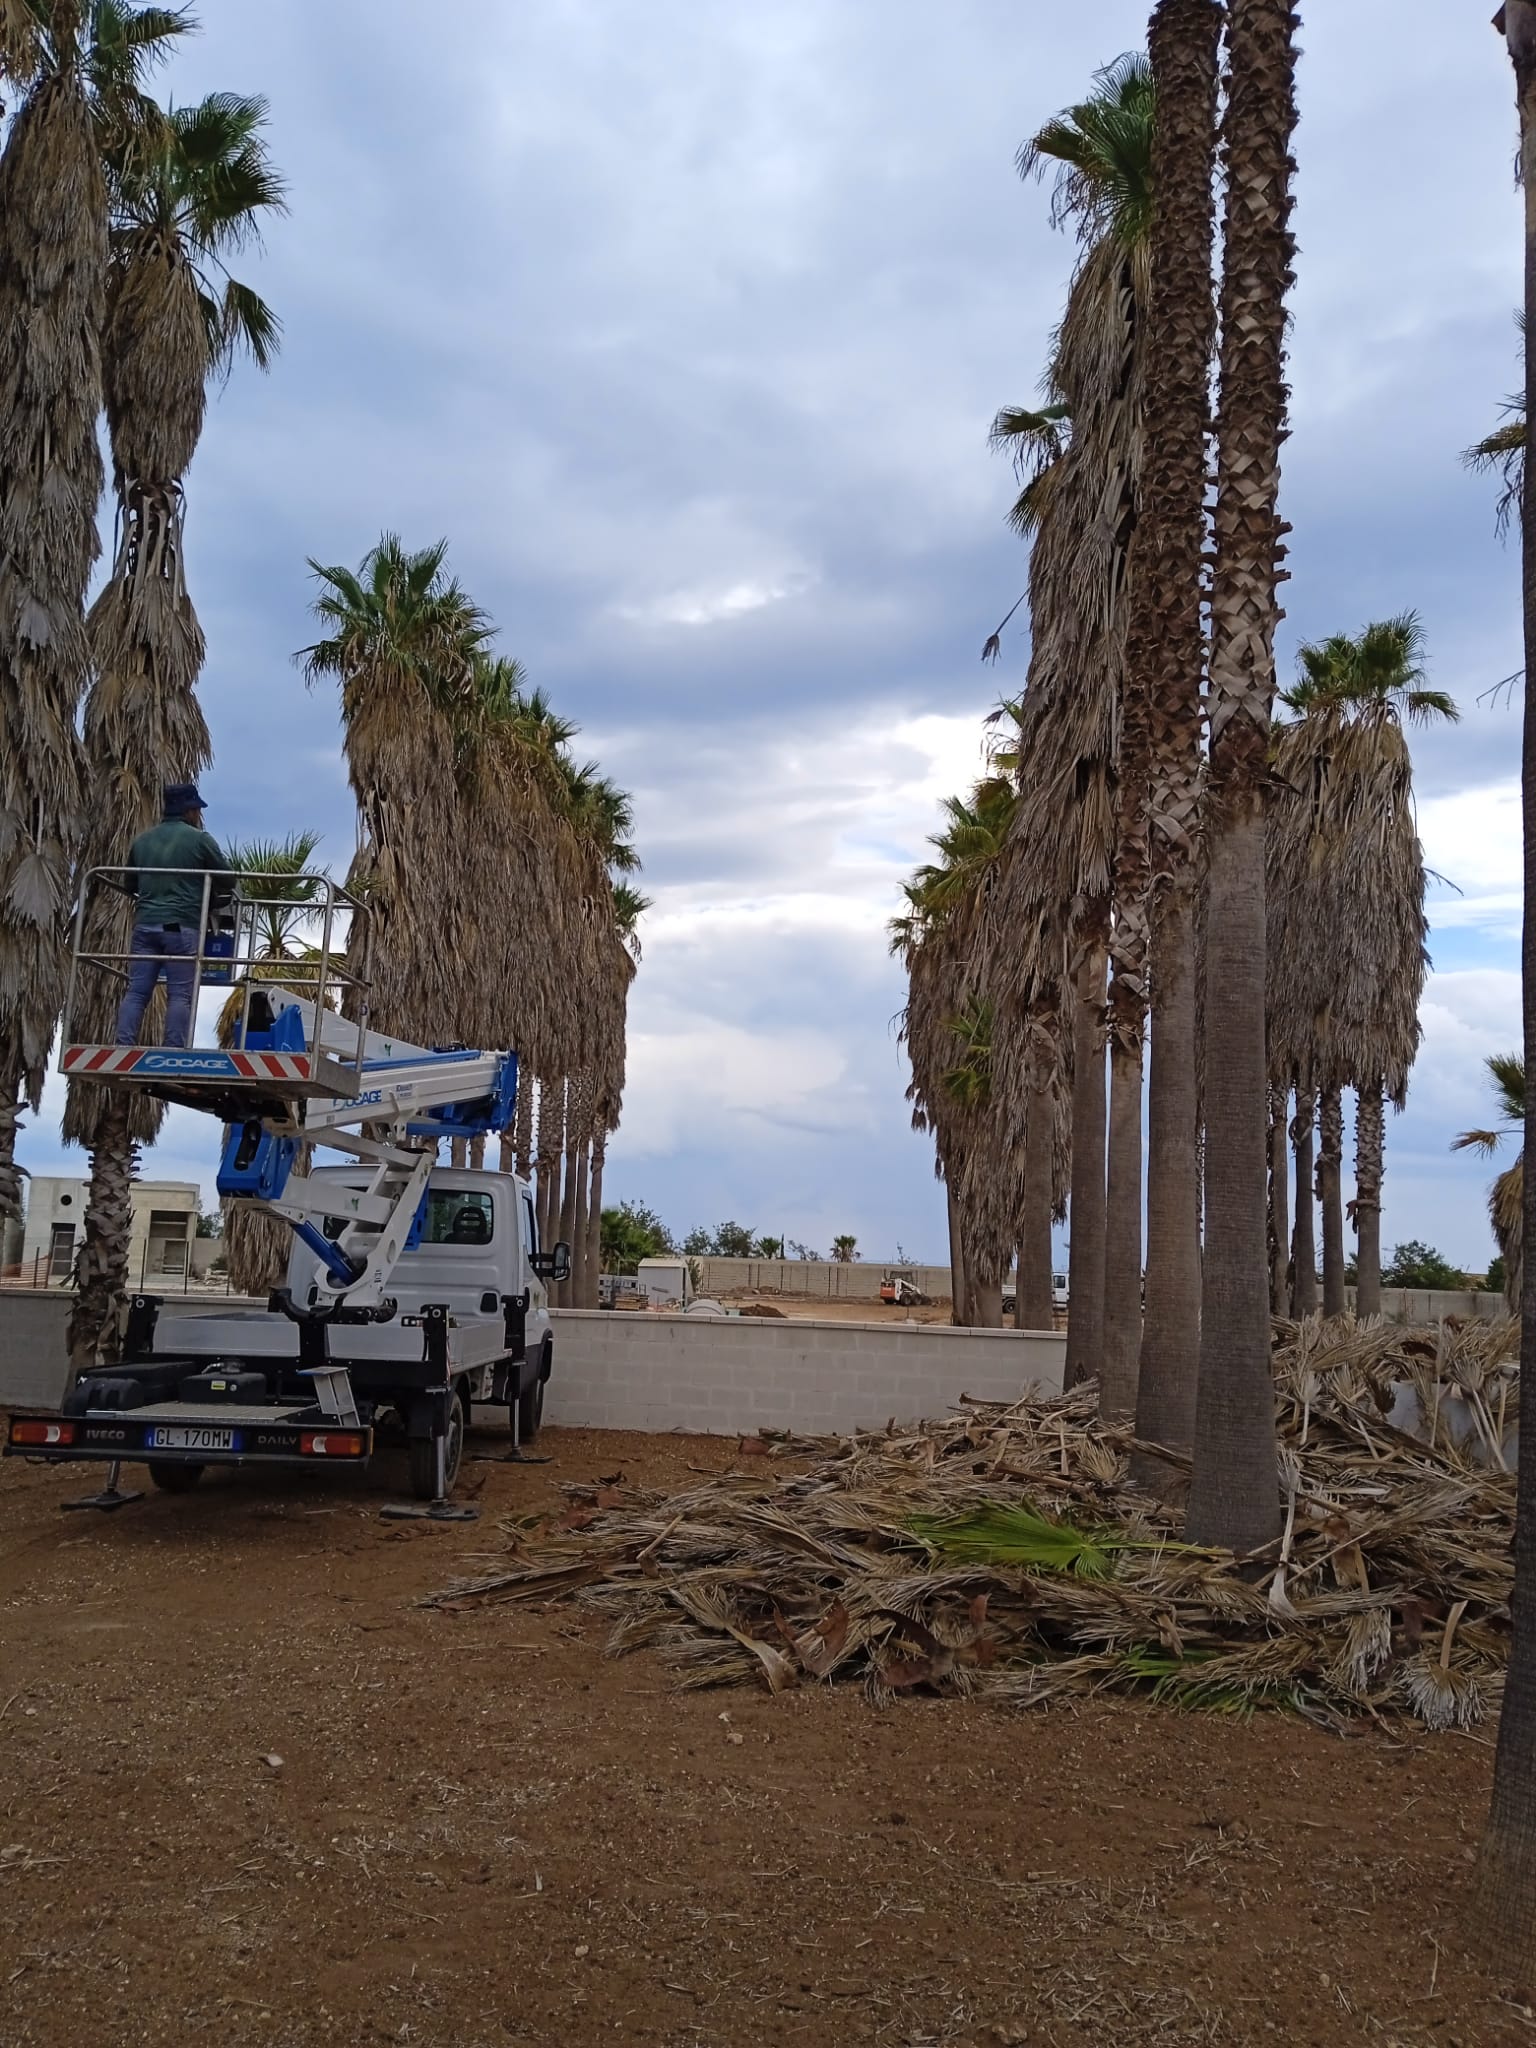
1004, 1551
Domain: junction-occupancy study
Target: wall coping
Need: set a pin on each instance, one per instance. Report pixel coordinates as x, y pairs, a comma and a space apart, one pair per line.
617, 1318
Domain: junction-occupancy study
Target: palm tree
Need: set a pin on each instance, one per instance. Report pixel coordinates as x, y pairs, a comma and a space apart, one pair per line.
947, 1026
1506, 1198
544, 837
182, 201
404, 641
1165, 645
1234, 1489
53, 266
1346, 887
76, 68
1506, 1878
1080, 831
629, 906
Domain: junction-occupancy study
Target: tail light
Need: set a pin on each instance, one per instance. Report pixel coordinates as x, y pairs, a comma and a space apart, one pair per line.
331, 1443
42, 1433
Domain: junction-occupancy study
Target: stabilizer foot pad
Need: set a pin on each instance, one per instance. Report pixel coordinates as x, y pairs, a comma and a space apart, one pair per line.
433, 1511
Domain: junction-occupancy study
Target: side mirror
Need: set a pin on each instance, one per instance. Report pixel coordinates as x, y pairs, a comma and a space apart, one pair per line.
555, 1265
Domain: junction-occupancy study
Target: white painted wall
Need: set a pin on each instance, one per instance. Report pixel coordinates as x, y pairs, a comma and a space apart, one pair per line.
715, 1375
733, 1374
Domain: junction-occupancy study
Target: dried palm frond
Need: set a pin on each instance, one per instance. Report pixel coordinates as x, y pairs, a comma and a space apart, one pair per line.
989, 1552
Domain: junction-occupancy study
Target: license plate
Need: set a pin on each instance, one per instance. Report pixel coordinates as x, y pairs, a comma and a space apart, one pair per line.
178, 1437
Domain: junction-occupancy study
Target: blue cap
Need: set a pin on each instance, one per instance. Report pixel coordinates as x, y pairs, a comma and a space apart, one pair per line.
181, 797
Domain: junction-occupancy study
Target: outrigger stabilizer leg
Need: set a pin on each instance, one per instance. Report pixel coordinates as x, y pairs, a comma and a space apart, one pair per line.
517, 1455
439, 1508
434, 1332
110, 1497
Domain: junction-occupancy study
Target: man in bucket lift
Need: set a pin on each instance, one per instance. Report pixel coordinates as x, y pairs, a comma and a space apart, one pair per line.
167, 924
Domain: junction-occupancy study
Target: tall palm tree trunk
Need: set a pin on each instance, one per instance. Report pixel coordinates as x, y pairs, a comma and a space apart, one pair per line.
1170, 1344
1330, 1196
595, 1218
521, 1134
1085, 1250
1304, 1236
566, 1291
987, 1304
583, 1280
477, 1153
1122, 1235
53, 267
1505, 1916
959, 1285
1167, 639
1370, 1144
102, 1278
1279, 1206
1234, 1487
547, 1159
1033, 1306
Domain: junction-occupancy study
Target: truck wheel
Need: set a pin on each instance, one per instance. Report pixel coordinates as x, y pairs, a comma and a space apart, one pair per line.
171, 1477
530, 1411
423, 1455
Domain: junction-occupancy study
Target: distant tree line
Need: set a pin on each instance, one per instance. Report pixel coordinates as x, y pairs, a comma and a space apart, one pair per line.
632, 1232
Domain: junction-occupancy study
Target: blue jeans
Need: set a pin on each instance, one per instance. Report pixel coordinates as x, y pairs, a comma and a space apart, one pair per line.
174, 955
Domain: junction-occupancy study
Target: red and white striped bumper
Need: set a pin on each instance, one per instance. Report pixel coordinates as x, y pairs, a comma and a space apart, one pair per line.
146, 1063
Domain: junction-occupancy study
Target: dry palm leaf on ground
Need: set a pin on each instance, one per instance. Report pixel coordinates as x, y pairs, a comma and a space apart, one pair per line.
1004, 1552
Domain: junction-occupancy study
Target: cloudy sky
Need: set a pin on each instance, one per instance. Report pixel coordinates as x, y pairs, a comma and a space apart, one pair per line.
685, 325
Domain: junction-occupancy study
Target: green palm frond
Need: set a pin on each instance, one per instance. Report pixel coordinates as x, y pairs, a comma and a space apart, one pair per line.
1504, 451
283, 908
206, 182
401, 614
1379, 672
629, 906
1179, 1681
1035, 441
1011, 1535
1507, 1072
1101, 151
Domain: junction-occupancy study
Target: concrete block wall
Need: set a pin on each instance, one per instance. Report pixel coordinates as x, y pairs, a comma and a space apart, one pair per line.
34, 1326
729, 1375
824, 1279
716, 1375
1432, 1304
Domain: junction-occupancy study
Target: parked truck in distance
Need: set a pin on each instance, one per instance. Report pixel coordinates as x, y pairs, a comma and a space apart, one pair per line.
1059, 1295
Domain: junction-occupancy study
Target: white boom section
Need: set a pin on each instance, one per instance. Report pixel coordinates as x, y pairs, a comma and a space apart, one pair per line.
406, 1084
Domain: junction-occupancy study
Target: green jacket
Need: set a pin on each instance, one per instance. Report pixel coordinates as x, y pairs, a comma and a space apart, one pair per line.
176, 899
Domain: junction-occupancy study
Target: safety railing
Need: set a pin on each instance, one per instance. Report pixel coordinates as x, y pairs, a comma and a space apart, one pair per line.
245, 924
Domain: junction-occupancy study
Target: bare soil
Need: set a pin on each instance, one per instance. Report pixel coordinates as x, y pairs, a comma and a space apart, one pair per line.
254, 1794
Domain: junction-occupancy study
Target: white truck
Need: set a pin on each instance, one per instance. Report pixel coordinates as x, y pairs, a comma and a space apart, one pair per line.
412, 1289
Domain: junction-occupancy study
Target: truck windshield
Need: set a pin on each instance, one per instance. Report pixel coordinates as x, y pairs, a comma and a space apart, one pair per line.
454, 1216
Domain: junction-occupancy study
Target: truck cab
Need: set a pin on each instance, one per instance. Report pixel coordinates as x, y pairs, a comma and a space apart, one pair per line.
473, 1248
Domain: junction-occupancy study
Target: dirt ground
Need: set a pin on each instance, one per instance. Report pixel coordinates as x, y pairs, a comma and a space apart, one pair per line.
254, 1794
